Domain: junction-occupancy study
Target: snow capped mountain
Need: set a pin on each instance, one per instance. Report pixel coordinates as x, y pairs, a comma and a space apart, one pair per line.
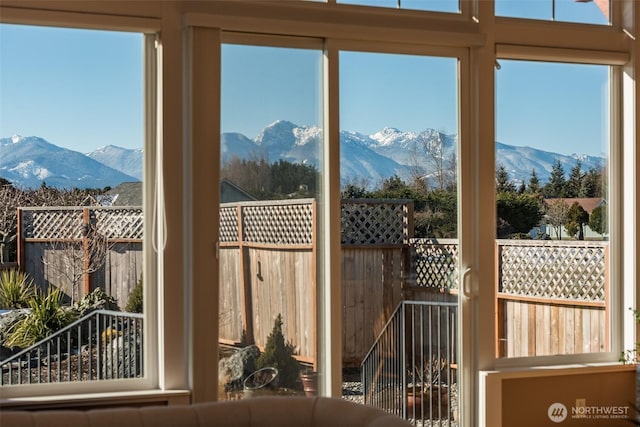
365, 159
521, 161
373, 158
361, 164
237, 145
28, 161
121, 159
392, 136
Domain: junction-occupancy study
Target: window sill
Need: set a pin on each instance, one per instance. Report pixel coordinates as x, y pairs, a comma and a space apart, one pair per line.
526, 396
566, 369
98, 400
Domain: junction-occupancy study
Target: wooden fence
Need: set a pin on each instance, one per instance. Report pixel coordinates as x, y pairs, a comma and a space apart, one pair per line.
8, 266
268, 256
267, 267
79, 249
553, 297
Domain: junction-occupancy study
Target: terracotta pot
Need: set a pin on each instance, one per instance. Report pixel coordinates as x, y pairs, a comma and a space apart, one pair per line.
432, 401
309, 383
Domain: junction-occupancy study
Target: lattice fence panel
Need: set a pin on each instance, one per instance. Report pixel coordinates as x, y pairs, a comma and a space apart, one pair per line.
284, 224
229, 223
126, 223
53, 224
365, 223
565, 271
68, 223
435, 263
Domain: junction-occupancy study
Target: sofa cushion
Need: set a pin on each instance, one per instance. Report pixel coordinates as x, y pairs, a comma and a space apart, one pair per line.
261, 411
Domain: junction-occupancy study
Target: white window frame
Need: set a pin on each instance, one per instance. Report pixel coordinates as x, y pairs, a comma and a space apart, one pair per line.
148, 28
618, 282
186, 362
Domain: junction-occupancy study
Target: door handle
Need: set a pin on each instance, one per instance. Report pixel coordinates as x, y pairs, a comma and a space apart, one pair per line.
466, 284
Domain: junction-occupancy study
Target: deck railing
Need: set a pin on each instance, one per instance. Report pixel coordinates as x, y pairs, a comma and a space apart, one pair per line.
99, 346
410, 371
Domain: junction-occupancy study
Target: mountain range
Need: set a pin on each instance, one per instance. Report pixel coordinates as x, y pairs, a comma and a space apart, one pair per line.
27, 162
365, 159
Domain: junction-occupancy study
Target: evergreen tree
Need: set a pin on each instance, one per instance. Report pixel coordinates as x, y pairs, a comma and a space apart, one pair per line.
573, 186
598, 220
556, 186
278, 353
395, 188
534, 183
439, 218
267, 181
592, 183
520, 211
351, 191
577, 218
503, 185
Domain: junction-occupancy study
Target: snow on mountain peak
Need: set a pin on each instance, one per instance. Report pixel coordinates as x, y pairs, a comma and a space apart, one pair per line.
307, 134
389, 136
29, 168
16, 138
278, 135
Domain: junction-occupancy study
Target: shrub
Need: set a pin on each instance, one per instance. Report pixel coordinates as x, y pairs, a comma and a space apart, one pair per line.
135, 303
16, 289
98, 299
279, 354
47, 316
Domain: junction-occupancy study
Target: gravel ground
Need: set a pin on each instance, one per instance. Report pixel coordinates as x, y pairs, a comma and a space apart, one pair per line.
352, 385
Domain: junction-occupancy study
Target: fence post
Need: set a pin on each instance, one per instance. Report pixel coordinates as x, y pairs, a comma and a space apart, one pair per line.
501, 342
247, 307
20, 242
403, 358
314, 275
86, 286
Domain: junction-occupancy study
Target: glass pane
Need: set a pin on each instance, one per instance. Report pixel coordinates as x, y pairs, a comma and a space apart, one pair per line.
429, 5
398, 139
552, 207
71, 161
271, 162
580, 11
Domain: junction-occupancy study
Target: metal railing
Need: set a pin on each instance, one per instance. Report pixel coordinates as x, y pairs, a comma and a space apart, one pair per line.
99, 346
410, 370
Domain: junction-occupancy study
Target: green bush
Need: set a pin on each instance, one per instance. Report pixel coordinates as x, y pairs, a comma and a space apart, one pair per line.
98, 299
16, 289
135, 303
47, 315
279, 354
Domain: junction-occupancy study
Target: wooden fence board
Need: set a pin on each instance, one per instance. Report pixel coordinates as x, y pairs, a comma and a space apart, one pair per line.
232, 327
372, 288
536, 329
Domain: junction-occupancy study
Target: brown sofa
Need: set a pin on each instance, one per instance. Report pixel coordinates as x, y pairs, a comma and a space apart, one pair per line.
262, 411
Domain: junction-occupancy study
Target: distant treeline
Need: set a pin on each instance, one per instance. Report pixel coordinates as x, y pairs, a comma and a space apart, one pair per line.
11, 198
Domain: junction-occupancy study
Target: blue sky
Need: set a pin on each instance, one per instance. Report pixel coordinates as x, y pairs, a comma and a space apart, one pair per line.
83, 90
565, 10
76, 88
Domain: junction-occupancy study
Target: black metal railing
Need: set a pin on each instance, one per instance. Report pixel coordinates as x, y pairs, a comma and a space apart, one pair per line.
411, 369
99, 346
